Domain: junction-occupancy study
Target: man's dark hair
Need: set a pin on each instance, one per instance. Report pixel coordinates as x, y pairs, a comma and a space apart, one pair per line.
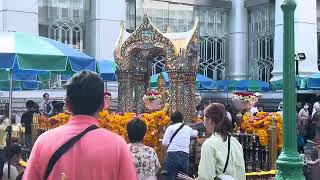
85, 93
260, 106
176, 117
44, 95
136, 129
30, 104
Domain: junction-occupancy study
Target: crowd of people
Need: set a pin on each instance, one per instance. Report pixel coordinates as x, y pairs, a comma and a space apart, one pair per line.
82, 150
308, 124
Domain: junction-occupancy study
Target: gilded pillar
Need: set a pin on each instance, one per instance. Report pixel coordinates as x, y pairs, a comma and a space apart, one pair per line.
125, 93
174, 91
188, 96
140, 88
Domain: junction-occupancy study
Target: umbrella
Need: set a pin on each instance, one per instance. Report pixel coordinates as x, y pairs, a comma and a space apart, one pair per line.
28, 52
252, 85
21, 51
39, 53
224, 84
279, 83
242, 85
200, 80
20, 85
22, 75
107, 69
311, 82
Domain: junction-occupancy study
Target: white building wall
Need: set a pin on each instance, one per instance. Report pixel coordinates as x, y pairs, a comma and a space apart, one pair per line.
104, 27
305, 38
19, 15
306, 35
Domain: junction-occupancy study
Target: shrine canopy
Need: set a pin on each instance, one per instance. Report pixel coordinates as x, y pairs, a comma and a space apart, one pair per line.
150, 42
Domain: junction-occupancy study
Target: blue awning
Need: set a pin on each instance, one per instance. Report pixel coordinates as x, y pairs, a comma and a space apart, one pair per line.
107, 70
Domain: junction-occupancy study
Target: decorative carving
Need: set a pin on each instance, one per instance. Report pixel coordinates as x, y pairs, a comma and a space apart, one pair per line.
290, 170
165, 94
135, 55
272, 145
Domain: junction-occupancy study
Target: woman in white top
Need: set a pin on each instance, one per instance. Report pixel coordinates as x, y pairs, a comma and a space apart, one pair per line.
145, 158
214, 150
13, 156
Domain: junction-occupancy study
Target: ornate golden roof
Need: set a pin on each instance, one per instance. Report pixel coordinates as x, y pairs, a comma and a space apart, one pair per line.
147, 37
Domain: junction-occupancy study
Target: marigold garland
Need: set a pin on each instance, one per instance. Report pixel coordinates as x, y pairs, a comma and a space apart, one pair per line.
117, 122
259, 125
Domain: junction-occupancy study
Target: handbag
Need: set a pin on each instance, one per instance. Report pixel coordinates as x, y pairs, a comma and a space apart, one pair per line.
64, 148
224, 176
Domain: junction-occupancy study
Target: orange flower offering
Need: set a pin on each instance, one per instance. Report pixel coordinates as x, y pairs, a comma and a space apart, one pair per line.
117, 123
260, 124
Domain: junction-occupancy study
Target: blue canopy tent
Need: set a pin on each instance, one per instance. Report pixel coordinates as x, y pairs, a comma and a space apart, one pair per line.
278, 85
20, 85
311, 82
242, 85
107, 70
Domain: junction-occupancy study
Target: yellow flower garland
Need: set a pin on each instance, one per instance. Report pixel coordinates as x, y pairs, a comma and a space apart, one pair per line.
259, 125
117, 123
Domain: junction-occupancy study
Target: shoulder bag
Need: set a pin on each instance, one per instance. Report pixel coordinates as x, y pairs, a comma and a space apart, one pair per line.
224, 176
64, 148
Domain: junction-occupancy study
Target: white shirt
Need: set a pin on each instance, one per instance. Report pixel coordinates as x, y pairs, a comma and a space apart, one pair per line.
253, 110
13, 172
181, 141
3, 133
229, 116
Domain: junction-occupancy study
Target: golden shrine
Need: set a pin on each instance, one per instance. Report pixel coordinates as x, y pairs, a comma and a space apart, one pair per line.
134, 54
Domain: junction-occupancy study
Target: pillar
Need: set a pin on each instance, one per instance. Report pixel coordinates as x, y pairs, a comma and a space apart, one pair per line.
104, 27
175, 90
188, 96
289, 163
238, 38
278, 43
19, 16
140, 89
305, 38
125, 96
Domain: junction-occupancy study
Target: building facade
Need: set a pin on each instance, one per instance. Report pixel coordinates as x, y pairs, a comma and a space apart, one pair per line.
240, 39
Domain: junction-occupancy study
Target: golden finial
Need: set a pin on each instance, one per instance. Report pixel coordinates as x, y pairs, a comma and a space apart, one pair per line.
168, 29
161, 81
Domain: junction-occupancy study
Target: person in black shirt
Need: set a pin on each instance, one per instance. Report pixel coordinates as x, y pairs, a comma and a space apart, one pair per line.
26, 121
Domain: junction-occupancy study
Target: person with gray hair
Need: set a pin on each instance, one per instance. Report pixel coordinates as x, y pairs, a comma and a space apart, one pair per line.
316, 121
316, 107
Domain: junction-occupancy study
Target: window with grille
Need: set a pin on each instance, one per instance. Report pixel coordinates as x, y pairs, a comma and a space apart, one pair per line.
261, 41
180, 18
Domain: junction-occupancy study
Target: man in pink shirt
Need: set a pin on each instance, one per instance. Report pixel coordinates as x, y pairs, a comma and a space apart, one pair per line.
98, 155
